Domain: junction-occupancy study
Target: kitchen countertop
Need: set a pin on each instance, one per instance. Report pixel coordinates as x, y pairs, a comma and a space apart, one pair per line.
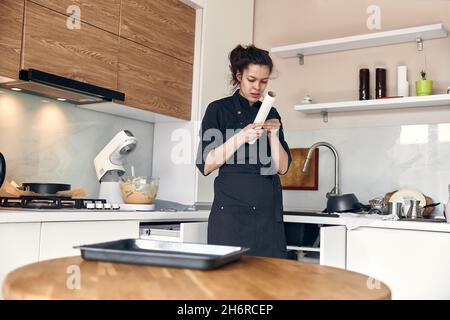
22, 216
354, 222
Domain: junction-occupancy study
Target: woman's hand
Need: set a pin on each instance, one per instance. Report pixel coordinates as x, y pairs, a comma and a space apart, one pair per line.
250, 133
272, 126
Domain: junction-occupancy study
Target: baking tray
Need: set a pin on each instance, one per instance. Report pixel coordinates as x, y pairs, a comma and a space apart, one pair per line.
162, 253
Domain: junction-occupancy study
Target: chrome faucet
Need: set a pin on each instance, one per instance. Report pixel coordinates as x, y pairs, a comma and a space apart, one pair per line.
335, 190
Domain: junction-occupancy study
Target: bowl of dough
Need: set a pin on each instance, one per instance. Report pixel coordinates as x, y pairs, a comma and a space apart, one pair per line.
139, 189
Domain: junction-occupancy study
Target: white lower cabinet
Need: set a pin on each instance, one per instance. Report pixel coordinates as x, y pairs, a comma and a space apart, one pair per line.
19, 245
333, 246
413, 264
58, 238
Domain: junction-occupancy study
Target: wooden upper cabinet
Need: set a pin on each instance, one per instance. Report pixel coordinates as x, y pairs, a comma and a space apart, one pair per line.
87, 54
103, 14
154, 81
11, 23
164, 25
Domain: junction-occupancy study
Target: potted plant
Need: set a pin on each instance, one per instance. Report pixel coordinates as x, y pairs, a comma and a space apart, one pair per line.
424, 87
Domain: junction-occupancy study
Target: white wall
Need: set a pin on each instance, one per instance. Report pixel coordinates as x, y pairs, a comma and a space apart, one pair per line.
57, 142
226, 23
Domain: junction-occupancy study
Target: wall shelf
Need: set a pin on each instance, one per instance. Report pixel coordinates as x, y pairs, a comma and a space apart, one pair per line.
375, 104
413, 34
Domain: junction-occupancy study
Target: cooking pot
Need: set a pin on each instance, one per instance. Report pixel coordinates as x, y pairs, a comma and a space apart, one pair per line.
344, 203
2, 169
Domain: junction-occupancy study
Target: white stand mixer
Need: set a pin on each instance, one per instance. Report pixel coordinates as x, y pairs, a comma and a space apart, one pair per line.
109, 165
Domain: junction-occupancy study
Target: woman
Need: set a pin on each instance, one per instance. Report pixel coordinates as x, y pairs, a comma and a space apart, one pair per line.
247, 210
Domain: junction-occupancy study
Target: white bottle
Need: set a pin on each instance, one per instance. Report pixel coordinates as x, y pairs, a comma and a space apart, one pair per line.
447, 206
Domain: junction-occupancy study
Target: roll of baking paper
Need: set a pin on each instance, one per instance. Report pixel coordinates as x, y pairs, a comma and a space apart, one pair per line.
264, 110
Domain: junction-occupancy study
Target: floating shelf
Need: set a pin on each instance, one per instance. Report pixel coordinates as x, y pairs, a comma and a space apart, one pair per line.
414, 34
375, 104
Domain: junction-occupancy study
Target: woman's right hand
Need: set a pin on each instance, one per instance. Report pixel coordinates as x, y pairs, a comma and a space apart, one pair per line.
250, 133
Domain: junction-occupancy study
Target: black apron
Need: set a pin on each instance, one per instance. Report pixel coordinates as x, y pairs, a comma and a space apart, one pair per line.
247, 211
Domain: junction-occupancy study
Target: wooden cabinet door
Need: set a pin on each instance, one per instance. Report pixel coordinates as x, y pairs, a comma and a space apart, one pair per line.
167, 26
87, 54
11, 23
154, 81
103, 14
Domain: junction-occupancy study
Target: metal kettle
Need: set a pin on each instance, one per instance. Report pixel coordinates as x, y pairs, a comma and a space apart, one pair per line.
2, 169
414, 210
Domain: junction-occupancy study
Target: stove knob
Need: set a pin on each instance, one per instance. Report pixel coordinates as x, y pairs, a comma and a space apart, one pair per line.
90, 205
99, 205
115, 206
107, 206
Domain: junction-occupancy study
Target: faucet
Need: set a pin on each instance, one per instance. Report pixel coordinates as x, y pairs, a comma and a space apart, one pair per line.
335, 190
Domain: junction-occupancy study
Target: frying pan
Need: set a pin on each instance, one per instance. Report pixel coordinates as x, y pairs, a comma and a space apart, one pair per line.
45, 188
2, 169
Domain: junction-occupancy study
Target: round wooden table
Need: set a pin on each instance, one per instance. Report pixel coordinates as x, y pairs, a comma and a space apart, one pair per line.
249, 278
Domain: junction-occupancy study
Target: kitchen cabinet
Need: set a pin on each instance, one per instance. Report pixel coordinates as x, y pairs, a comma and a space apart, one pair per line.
413, 264
103, 14
58, 238
88, 54
19, 245
154, 81
166, 26
11, 23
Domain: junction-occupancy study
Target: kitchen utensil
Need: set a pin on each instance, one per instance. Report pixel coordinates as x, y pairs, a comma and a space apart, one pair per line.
162, 253
414, 210
45, 188
139, 190
395, 208
2, 169
404, 195
343, 203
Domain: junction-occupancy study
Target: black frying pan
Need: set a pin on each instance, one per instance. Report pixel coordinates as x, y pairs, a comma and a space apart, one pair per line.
2, 169
45, 188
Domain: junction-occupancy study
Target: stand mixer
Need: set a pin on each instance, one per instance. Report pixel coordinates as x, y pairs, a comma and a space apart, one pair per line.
109, 165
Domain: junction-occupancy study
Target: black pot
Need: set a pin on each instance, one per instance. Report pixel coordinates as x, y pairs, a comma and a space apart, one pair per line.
45, 188
343, 203
2, 169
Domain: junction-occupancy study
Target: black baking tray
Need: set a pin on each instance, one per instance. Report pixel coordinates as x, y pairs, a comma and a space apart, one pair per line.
162, 253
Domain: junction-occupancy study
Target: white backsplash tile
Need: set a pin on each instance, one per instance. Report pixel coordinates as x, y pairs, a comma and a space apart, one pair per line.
374, 161
57, 142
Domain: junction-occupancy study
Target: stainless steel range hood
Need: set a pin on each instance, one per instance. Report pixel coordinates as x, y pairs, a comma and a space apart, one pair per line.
60, 88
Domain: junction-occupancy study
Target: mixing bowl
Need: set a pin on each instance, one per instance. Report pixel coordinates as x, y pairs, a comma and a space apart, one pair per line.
139, 189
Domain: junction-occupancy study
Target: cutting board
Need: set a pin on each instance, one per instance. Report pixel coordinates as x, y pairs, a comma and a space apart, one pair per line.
295, 179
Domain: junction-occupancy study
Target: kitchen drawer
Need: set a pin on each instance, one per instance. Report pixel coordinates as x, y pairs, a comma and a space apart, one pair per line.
194, 232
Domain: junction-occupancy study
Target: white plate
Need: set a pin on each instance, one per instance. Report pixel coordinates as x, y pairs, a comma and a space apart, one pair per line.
404, 195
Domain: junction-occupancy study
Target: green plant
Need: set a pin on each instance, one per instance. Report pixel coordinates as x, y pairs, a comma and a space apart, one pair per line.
423, 75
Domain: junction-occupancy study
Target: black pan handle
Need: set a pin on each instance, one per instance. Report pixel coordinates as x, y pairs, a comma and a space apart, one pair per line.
2, 169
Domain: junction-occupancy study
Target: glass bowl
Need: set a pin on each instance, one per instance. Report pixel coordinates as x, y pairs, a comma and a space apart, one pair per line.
139, 189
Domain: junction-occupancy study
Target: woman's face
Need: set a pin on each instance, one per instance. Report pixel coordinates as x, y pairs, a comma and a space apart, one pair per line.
253, 81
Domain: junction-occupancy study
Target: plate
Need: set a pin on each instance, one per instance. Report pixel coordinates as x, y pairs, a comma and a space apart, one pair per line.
404, 195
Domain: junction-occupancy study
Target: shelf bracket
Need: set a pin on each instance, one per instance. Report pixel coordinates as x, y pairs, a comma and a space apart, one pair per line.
324, 115
301, 58
419, 42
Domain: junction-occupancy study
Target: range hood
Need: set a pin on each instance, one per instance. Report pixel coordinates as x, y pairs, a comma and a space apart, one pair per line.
56, 87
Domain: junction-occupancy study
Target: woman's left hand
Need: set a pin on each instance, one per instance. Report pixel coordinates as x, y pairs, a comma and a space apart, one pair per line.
271, 126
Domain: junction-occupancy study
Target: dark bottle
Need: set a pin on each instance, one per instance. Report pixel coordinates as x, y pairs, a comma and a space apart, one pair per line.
380, 83
364, 84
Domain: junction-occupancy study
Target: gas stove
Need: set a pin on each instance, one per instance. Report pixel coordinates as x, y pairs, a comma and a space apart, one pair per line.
55, 202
